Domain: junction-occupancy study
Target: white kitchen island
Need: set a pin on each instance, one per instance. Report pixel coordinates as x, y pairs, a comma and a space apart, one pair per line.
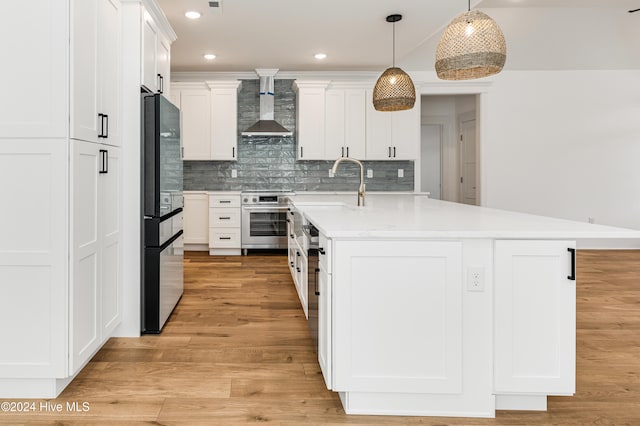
433, 308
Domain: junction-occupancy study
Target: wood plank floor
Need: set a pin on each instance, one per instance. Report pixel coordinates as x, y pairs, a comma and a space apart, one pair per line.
237, 351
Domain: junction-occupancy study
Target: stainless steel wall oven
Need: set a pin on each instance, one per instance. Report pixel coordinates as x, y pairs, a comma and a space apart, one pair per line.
264, 220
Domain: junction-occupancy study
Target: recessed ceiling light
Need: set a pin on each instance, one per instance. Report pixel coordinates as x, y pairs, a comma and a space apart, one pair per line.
209, 56
320, 55
192, 14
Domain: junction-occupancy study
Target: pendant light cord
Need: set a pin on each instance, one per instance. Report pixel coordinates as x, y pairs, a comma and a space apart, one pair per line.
393, 60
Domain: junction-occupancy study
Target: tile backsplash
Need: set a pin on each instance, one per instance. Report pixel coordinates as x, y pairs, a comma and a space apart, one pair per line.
269, 163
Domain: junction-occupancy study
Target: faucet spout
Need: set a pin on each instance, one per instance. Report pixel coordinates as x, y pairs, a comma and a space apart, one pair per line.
361, 188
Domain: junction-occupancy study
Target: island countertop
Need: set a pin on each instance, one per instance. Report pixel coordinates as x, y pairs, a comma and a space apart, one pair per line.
415, 216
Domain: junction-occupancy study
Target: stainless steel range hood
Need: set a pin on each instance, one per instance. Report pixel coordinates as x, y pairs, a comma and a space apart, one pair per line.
266, 126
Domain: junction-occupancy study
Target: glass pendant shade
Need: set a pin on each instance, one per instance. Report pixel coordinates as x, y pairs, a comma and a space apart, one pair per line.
472, 46
394, 91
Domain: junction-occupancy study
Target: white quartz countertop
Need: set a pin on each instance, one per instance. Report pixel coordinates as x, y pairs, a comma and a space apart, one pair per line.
415, 216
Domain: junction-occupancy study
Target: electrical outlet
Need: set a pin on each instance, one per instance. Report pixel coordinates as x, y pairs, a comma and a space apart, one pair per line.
475, 279
234, 173
591, 220
330, 173
369, 173
400, 172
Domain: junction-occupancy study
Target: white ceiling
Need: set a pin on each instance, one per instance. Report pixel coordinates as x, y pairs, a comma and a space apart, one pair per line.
285, 34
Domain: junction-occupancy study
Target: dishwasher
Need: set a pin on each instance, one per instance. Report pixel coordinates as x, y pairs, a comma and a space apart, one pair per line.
312, 235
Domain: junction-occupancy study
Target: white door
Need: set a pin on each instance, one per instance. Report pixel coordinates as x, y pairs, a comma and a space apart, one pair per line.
334, 124
109, 69
355, 123
534, 318
196, 124
378, 132
196, 218
468, 185
430, 148
224, 127
149, 53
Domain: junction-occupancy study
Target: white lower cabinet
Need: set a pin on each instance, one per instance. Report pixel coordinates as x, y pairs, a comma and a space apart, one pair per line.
535, 318
324, 325
95, 235
224, 224
382, 292
196, 220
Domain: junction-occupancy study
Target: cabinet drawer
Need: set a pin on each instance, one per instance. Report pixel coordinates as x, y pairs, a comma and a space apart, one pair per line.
224, 238
325, 259
224, 201
224, 217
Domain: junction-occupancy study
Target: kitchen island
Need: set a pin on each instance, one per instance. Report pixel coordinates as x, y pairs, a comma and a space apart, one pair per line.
433, 308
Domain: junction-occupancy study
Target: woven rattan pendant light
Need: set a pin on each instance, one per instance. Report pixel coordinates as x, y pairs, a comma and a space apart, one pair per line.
394, 90
472, 46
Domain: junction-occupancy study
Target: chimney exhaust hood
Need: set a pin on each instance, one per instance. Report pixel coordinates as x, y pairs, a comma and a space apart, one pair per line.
266, 126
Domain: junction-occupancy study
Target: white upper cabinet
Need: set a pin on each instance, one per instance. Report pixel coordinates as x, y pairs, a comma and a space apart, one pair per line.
310, 118
392, 135
195, 105
156, 56
345, 123
35, 51
209, 119
95, 70
224, 120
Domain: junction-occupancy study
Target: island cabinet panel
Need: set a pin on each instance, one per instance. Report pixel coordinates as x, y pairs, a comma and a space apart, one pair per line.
382, 291
196, 218
535, 317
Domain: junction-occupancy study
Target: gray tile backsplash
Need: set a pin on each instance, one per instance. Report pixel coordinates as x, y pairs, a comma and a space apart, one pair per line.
269, 163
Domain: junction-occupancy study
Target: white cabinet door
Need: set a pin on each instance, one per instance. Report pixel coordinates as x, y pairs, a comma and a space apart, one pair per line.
383, 291
196, 123
310, 123
224, 122
109, 69
196, 218
301, 281
334, 124
85, 87
84, 290
405, 133
149, 73
33, 258
35, 81
109, 209
379, 145
355, 123
324, 326
535, 318
164, 66
95, 70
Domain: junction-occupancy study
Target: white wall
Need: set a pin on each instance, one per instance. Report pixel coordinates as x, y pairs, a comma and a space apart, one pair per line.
564, 144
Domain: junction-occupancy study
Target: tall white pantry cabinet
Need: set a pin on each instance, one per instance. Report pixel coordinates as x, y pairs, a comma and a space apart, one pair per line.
60, 251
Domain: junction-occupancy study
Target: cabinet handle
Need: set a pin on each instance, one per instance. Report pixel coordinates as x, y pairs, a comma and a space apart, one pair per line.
101, 118
301, 151
106, 134
389, 152
347, 151
104, 162
298, 269
225, 201
572, 277
342, 155
288, 220
291, 235
225, 238
225, 218
291, 213
233, 152
297, 253
394, 152
321, 250
160, 83
291, 264
316, 282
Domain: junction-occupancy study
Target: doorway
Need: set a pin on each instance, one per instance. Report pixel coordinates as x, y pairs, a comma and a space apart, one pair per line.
448, 167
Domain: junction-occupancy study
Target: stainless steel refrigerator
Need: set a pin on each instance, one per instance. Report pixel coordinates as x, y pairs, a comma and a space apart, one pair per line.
162, 280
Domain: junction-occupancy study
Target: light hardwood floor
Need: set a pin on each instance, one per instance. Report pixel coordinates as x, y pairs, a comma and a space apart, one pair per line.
237, 350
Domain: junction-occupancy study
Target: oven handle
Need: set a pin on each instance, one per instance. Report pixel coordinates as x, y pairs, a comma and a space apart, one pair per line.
265, 208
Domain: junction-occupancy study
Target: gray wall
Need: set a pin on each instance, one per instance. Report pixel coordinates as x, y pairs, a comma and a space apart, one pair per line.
269, 162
